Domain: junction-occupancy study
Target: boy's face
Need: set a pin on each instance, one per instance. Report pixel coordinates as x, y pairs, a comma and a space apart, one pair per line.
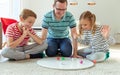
28, 22
60, 9
85, 24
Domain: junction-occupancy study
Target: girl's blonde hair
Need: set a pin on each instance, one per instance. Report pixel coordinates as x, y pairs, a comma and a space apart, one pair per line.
27, 13
91, 17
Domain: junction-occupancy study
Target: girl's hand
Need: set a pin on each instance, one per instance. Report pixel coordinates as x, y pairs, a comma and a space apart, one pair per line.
105, 31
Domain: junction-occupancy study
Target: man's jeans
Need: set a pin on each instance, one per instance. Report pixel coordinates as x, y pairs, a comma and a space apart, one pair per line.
62, 44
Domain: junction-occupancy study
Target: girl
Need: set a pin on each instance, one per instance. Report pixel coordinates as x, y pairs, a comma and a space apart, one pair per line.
95, 36
18, 35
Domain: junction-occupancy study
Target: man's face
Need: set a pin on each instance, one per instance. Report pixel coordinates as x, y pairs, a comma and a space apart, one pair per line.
60, 9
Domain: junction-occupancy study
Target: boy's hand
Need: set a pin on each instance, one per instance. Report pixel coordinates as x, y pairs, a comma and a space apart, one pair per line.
25, 31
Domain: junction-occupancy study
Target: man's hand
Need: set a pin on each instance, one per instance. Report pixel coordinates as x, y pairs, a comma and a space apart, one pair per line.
76, 56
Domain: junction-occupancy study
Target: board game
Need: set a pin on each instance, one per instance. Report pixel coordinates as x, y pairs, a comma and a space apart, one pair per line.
67, 63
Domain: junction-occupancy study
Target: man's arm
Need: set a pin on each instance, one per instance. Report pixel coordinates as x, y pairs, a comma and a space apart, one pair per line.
74, 41
44, 33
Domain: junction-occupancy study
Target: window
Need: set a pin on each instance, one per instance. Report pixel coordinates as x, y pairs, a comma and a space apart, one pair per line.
10, 8
4, 6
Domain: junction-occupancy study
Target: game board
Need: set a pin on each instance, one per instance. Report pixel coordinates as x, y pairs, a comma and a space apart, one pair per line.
65, 63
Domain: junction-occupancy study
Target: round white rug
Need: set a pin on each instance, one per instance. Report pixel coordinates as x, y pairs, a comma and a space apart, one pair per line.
65, 63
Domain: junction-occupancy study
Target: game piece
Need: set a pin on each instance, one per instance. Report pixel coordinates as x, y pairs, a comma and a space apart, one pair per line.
58, 58
63, 58
81, 61
94, 61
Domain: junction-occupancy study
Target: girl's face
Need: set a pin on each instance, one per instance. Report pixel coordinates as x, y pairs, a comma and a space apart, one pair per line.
28, 22
85, 24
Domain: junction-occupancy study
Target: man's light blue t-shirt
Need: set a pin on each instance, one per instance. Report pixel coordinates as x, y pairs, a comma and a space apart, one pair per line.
58, 29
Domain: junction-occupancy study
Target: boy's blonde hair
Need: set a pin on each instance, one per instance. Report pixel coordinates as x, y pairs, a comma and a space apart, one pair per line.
27, 13
91, 17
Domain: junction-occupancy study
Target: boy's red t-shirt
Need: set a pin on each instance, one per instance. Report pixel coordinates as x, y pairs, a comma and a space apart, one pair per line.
13, 31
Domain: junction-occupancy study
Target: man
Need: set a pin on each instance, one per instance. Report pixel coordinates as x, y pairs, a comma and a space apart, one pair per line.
55, 27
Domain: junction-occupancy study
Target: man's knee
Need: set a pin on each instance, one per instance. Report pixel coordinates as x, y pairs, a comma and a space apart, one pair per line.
51, 53
66, 53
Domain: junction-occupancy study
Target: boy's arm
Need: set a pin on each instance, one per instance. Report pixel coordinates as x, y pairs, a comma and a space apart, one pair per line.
39, 39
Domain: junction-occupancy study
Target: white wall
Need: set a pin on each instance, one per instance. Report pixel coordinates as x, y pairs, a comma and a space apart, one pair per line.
107, 11
40, 7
